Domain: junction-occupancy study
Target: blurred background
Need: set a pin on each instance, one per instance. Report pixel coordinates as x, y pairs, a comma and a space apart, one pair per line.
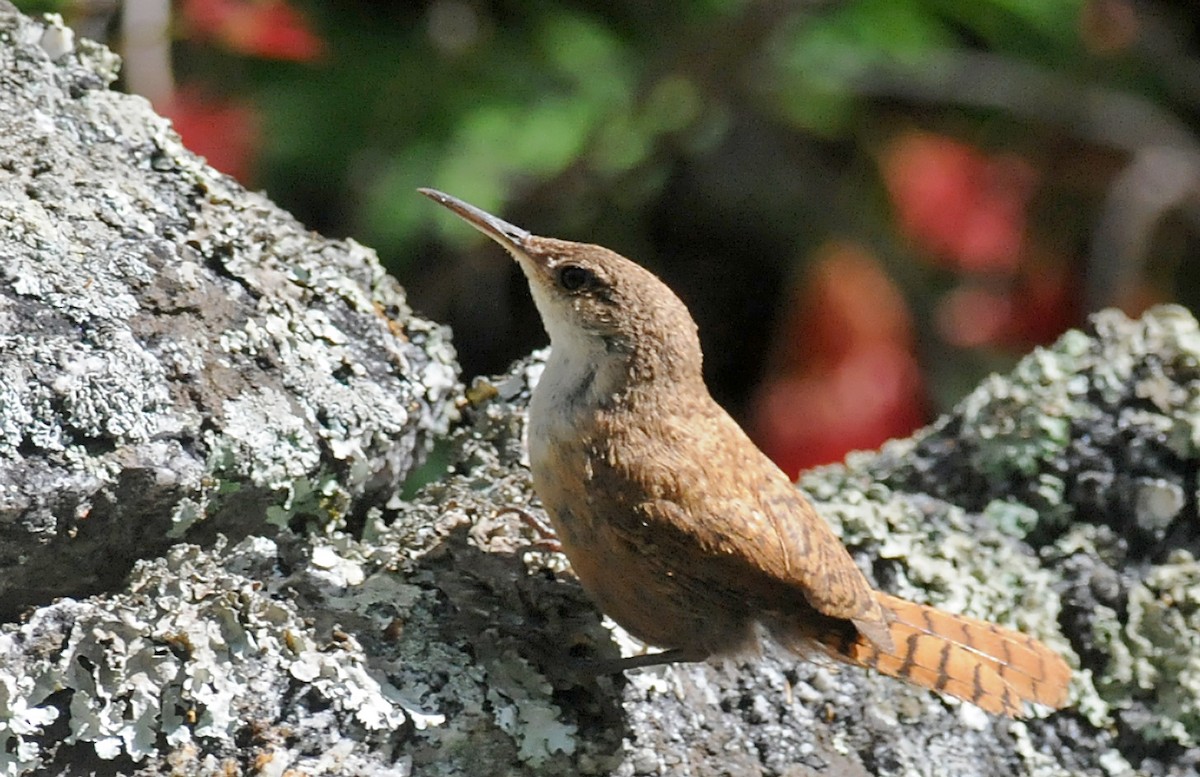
868, 206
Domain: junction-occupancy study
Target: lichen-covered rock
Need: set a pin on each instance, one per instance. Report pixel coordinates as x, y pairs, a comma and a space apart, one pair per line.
192, 659
413, 647
178, 356
1089, 451
1103, 428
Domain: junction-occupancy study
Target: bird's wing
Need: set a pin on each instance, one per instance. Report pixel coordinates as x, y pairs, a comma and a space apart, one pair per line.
705, 473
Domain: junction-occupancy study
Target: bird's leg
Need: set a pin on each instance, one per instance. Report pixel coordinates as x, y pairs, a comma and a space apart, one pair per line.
617, 665
546, 539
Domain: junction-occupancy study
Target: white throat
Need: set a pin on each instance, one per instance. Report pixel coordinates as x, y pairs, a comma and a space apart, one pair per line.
580, 375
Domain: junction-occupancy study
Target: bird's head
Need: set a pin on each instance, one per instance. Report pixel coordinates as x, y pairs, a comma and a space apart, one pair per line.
596, 301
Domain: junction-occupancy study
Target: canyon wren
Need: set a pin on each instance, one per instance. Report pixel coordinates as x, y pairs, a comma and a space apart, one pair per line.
681, 529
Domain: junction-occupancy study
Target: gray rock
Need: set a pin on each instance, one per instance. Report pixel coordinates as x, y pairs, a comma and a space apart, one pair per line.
206, 418
178, 357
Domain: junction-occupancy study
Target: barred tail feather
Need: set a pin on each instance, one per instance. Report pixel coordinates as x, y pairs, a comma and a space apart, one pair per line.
988, 665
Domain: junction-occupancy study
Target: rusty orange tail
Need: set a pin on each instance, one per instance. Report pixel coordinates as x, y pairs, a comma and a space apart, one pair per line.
988, 665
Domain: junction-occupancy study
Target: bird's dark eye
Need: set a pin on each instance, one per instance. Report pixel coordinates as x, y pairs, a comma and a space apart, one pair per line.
572, 277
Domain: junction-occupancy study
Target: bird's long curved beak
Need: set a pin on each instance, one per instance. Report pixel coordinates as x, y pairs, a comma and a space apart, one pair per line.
511, 237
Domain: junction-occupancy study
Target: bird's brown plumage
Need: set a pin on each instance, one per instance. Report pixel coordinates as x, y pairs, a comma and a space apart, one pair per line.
681, 529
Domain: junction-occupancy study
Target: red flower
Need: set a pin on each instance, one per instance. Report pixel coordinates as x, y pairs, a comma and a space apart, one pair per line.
844, 376
270, 29
965, 208
1032, 307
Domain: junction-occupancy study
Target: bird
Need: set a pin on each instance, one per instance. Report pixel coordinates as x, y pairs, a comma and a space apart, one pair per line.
681, 530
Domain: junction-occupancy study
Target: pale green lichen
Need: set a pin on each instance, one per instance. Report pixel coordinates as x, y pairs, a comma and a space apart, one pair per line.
519, 697
1133, 379
193, 651
1010, 517
263, 437
1154, 656
59, 390
1025, 420
1158, 503
1042, 764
